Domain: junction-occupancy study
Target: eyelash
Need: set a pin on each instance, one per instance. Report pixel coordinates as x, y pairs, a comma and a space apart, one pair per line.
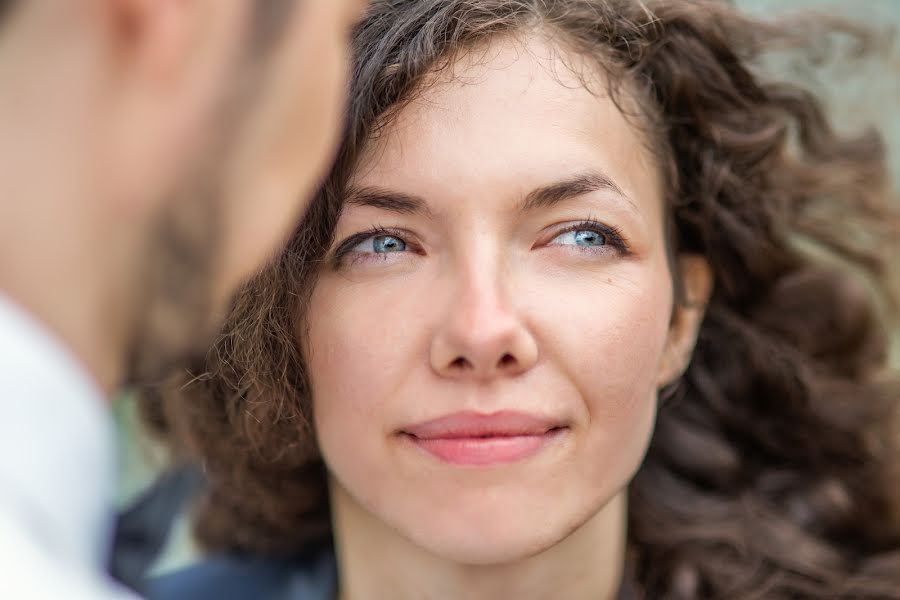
613, 235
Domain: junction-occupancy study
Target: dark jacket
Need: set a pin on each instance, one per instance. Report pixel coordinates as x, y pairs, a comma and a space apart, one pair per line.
249, 579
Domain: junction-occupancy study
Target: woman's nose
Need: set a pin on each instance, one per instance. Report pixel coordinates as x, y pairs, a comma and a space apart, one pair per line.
482, 337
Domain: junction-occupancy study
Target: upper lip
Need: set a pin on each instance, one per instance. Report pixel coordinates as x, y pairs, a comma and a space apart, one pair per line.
473, 425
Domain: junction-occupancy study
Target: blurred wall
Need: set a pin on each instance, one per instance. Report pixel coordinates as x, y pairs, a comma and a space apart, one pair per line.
860, 93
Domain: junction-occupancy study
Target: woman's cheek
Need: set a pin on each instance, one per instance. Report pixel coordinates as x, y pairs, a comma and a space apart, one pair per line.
609, 345
358, 353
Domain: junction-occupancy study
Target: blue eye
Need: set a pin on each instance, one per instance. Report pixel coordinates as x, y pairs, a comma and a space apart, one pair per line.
381, 244
580, 237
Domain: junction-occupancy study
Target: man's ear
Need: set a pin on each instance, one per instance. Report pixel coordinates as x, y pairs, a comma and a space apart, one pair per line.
697, 285
150, 36
177, 42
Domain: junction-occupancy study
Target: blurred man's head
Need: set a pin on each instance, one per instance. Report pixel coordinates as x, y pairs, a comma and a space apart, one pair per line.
190, 133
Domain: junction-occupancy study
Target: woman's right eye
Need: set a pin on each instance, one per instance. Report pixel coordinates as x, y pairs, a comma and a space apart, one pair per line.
376, 244
380, 244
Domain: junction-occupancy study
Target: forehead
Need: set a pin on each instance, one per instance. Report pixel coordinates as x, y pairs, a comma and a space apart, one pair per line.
511, 115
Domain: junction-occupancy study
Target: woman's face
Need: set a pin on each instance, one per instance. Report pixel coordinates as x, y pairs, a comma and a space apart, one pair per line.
488, 336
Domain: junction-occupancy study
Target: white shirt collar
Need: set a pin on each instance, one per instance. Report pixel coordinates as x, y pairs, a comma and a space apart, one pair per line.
56, 442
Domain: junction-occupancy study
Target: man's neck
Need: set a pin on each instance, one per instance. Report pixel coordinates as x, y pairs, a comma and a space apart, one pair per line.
55, 240
376, 562
48, 278
55, 258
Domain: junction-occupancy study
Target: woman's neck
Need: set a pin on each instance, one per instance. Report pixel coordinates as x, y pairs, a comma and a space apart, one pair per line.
375, 562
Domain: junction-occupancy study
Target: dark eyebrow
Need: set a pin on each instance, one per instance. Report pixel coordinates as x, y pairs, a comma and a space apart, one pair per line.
579, 185
409, 204
389, 200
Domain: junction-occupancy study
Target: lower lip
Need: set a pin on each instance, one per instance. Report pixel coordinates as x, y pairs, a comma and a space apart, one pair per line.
481, 451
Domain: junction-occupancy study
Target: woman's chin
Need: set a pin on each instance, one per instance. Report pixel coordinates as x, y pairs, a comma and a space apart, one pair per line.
503, 533
478, 548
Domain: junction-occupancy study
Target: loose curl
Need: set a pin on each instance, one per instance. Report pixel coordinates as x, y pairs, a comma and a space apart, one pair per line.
770, 473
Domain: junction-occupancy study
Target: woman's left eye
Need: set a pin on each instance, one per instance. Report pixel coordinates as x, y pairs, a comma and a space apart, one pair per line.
380, 244
580, 237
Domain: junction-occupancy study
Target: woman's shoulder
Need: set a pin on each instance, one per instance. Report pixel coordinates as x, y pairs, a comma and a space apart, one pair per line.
238, 578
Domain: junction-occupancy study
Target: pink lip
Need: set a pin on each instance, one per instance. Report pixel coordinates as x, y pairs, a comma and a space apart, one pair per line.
469, 438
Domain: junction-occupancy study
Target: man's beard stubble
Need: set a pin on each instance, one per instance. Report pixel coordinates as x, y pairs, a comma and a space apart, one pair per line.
178, 313
174, 319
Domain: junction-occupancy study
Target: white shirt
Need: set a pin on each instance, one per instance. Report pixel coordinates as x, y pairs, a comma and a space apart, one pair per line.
56, 469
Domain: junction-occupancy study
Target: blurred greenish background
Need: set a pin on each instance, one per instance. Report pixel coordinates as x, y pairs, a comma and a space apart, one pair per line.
858, 94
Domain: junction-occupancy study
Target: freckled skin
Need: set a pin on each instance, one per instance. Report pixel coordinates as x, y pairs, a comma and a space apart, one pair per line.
481, 279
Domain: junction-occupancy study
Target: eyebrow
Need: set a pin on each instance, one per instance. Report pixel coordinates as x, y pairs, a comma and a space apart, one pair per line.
393, 201
543, 197
579, 185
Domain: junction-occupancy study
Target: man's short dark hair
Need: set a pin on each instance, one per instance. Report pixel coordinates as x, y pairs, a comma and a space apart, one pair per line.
269, 18
5, 5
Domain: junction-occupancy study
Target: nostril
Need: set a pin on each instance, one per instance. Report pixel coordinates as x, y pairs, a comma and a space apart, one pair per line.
507, 360
460, 363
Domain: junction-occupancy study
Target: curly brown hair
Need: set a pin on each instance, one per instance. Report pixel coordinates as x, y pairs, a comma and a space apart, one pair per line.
770, 473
